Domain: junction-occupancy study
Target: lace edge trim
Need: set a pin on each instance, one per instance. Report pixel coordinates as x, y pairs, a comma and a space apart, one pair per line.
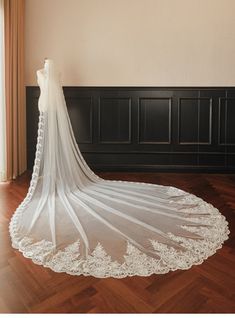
100, 265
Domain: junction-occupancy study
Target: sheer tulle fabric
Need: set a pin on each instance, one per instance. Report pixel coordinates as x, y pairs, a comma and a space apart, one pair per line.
76, 222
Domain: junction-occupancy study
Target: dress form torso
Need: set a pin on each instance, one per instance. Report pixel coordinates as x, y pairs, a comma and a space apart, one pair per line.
46, 75
41, 82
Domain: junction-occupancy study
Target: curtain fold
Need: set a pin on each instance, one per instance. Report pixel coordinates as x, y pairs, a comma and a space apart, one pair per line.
2, 99
14, 88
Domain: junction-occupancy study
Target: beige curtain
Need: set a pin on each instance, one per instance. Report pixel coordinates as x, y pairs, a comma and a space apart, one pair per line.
2, 98
15, 90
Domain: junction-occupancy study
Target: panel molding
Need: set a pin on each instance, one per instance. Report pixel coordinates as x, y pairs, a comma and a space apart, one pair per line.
169, 121
226, 118
210, 120
128, 141
90, 140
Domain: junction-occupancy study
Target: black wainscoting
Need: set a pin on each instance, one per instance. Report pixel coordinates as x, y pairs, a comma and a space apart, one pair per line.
148, 128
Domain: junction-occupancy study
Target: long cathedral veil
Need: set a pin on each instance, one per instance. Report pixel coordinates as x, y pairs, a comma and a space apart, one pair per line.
76, 222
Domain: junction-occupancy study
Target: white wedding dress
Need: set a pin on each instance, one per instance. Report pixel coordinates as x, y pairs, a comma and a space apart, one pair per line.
76, 222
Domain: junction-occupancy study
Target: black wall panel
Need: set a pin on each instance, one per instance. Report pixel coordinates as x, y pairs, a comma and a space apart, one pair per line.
114, 120
80, 112
154, 122
148, 128
195, 120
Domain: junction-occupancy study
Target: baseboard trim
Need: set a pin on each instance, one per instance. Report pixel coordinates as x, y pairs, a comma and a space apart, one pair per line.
162, 168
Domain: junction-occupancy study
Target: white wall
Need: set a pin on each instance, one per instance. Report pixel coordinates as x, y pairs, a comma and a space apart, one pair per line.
133, 42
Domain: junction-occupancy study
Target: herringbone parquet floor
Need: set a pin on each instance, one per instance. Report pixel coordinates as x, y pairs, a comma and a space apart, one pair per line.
210, 287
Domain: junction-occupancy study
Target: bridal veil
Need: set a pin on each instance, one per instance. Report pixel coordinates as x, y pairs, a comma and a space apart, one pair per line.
76, 222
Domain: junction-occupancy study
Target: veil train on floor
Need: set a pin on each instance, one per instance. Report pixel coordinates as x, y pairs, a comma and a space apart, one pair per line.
76, 222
